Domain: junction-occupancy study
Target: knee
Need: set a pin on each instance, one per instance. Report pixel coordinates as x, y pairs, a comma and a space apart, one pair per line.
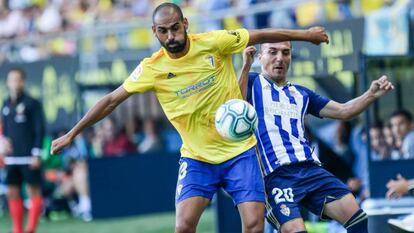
185, 227
254, 226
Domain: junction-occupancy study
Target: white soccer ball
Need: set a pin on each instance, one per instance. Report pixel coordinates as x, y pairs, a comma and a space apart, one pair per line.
236, 120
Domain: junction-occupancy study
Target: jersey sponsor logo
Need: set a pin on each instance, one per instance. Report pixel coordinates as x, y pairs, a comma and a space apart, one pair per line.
284, 210
283, 109
236, 34
171, 75
196, 88
136, 73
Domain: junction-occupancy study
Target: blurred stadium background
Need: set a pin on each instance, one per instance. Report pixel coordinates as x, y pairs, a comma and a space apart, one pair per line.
75, 51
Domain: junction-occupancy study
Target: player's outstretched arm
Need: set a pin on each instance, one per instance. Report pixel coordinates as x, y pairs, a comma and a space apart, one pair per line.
101, 109
248, 58
355, 106
316, 35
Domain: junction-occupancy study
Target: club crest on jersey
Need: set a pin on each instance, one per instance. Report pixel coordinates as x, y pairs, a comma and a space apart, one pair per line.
136, 73
267, 87
293, 92
6, 111
20, 108
284, 210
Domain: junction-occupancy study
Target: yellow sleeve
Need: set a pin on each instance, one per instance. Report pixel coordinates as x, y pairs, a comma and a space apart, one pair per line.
231, 41
140, 80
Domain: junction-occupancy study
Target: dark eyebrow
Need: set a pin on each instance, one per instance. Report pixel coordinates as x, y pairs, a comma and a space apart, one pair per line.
283, 49
166, 27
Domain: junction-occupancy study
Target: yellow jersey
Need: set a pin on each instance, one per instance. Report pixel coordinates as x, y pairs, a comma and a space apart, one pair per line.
190, 89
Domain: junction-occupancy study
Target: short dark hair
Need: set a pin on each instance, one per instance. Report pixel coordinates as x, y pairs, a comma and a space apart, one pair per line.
404, 113
261, 45
19, 70
170, 5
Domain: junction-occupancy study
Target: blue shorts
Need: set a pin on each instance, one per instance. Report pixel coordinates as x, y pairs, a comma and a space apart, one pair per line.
303, 184
240, 177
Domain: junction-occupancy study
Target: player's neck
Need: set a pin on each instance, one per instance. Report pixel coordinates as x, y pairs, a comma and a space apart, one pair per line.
280, 82
180, 54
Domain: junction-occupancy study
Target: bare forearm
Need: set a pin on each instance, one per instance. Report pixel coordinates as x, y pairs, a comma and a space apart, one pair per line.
277, 35
101, 109
356, 106
244, 80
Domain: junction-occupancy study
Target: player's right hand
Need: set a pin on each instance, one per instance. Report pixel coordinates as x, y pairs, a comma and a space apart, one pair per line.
318, 35
248, 55
60, 143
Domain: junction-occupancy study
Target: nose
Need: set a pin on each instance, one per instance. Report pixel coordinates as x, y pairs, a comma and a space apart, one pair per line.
279, 56
170, 35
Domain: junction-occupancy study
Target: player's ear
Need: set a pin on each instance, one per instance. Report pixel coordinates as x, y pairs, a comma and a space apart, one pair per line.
185, 23
153, 29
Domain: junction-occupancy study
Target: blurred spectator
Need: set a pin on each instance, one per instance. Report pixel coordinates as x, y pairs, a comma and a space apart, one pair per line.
402, 128
151, 141
12, 23
396, 189
379, 150
390, 142
50, 20
116, 141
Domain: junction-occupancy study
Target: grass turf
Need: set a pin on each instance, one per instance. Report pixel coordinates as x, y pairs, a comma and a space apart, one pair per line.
154, 223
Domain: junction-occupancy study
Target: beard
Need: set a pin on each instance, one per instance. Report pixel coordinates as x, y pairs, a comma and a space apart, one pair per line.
177, 46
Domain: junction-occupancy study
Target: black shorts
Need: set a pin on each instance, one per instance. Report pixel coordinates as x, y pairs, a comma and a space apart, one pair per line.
17, 174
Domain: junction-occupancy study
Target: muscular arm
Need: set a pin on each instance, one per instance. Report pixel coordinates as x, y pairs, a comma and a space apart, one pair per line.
355, 106
248, 55
101, 109
315, 35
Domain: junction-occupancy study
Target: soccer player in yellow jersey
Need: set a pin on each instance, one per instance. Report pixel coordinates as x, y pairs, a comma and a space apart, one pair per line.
192, 75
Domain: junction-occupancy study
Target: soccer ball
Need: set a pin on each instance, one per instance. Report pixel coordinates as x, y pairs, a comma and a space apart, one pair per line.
236, 120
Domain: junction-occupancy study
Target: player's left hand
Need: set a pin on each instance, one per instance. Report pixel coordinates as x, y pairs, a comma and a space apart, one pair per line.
381, 86
318, 35
36, 162
248, 55
397, 188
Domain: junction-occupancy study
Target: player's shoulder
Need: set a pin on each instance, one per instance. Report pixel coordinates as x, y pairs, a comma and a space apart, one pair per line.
202, 36
253, 75
154, 58
302, 88
29, 100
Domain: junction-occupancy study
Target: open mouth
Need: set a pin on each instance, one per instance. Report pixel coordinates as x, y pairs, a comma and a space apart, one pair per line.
279, 68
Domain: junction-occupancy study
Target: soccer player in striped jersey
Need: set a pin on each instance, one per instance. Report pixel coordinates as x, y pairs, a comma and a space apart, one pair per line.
293, 175
192, 75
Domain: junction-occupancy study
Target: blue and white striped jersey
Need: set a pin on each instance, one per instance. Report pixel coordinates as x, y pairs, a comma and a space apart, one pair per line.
281, 112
